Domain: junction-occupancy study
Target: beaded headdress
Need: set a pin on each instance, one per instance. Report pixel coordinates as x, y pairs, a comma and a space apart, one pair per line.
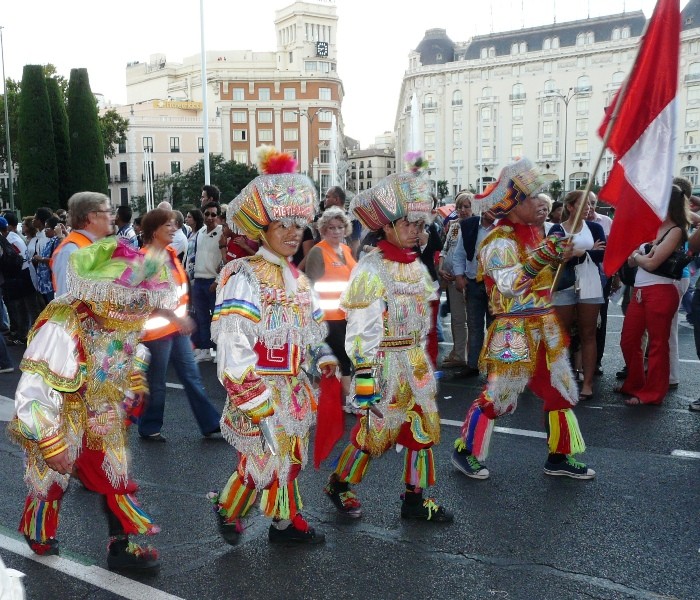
394, 197
517, 181
279, 194
117, 280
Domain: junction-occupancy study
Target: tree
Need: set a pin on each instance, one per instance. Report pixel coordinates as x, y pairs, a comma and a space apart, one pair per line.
87, 167
38, 177
114, 128
61, 141
556, 188
443, 189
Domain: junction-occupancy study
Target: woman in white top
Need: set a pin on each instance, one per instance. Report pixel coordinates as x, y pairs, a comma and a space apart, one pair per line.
580, 294
652, 306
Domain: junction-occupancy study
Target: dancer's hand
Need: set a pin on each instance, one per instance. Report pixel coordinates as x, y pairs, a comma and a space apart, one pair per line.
60, 463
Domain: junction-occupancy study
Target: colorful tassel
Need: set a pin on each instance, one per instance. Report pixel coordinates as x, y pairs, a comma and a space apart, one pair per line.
236, 499
476, 432
40, 519
352, 465
281, 502
419, 468
131, 516
563, 432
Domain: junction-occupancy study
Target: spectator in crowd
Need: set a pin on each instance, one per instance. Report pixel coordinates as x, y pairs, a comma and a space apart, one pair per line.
307, 242
545, 202
429, 246
180, 237
137, 230
195, 219
336, 196
18, 289
458, 308
328, 266
54, 232
210, 193
465, 266
555, 213
652, 306
206, 267
91, 219
579, 294
124, 228
694, 317
237, 245
35, 301
168, 340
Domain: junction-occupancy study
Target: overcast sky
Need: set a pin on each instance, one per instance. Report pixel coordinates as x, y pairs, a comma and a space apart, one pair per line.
374, 38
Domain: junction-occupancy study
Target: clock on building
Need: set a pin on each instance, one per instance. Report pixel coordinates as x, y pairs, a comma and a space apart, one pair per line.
321, 48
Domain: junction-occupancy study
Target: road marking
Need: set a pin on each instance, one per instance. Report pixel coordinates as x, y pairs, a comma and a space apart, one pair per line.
510, 430
685, 454
92, 574
7, 408
176, 386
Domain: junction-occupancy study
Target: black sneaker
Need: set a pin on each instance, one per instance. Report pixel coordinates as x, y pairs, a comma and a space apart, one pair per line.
569, 468
469, 465
622, 374
414, 506
343, 498
127, 556
297, 532
230, 531
694, 405
48, 548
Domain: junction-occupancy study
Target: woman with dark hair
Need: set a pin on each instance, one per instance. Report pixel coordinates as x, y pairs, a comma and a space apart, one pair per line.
195, 220
168, 340
580, 294
653, 303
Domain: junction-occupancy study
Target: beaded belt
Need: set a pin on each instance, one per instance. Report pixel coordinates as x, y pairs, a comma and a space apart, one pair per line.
398, 343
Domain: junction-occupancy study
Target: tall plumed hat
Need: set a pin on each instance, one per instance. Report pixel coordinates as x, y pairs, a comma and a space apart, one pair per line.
117, 280
396, 196
279, 194
516, 182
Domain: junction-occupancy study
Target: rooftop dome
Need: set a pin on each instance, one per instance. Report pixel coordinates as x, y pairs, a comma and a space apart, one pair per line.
436, 48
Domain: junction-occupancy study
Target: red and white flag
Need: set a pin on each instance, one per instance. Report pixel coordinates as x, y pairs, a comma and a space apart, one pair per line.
643, 138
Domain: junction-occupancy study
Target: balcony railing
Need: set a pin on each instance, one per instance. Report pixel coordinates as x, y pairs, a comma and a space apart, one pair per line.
429, 105
456, 103
583, 89
692, 77
515, 97
581, 156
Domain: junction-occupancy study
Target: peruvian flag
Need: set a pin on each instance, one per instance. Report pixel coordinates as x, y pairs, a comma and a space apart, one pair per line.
643, 138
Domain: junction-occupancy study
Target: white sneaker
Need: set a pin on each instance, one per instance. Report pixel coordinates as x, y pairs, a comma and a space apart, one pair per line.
8, 370
200, 355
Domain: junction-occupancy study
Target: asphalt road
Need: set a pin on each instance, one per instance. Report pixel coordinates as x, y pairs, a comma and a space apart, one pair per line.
630, 533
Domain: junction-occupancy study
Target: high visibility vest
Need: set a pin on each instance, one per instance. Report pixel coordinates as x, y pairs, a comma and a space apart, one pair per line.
74, 237
334, 281
158, 327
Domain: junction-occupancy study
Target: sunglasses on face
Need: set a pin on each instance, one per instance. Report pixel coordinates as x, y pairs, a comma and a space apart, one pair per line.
211, 214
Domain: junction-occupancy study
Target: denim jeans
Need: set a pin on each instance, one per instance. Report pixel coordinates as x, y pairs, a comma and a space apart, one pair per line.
177, 348
478, 318
5, 360
203, 301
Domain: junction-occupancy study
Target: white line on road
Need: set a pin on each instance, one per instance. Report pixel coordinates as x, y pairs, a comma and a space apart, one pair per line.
510, 430
101, 578
176, 386
685, 454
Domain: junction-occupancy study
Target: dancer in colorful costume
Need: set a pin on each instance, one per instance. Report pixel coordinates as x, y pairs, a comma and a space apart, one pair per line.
525, 344
266, 319
83, 379
388, 315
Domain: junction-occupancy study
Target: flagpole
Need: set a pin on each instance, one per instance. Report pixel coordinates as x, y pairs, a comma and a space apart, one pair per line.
608, 130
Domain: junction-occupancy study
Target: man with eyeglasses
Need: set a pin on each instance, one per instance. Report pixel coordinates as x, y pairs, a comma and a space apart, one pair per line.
91, 218
206, 267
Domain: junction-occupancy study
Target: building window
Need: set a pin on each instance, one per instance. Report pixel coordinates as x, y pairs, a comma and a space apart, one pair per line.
517, 132
362, 185
290, 116
429, 101
691, 174
265, 135
582, 106
369, 174
324, 156
174, 144
324, 134
239, 116
581, 146
546, 43
174, 166
518, 111
240, 135
581, 126
264, 94
555, 43
200, 144
692, 117
486, 113
547, 149
292, 153
484, 52
264, 116
362, 174
578, 180
238, 94
547, 128
625, 32
616, 33
548, 108
369, 163
580, 39
517, 92
148, 144
486, 152
290, 94
429, 118
240, 156
583, 84
122, 147
324, 116
522, 47
590, 37
693, 93
550, 86
123, 172
291, 135
324, 93
516, 150
369, 184
362, 164
457, 98
291, 57
123, 196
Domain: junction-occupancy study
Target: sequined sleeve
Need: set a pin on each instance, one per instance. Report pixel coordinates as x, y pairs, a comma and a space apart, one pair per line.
235, 323
49, 367
500, 261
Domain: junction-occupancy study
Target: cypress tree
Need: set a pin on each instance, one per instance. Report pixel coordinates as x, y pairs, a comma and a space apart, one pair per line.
38, 175
61, 141
87, 166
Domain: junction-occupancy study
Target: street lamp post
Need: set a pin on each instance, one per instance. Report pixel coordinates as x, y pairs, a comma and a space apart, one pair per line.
566, 98
10, 170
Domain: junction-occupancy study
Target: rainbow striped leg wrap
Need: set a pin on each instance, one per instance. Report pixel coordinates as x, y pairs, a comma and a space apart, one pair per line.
476, 433
281, 501
236, 499
40, 519
419, 468
563, 433
132, 517
352, 465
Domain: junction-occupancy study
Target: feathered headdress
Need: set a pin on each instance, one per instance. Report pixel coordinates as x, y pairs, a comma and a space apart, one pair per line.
279, 194
516, 182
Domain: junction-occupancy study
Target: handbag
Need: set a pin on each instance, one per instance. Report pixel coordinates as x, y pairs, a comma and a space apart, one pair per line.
673, 266
588, 279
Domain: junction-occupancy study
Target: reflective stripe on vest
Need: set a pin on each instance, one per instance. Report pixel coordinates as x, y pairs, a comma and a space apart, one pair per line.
158, 327
335, 280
